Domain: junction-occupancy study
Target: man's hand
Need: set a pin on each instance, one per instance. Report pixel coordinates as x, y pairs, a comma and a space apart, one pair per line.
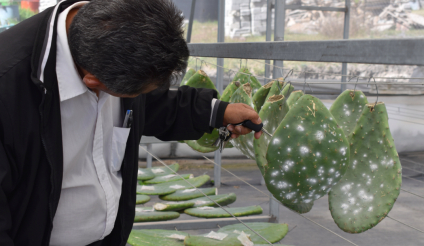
238, 112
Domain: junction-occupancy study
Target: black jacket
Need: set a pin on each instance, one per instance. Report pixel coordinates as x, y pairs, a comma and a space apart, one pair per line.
31, 157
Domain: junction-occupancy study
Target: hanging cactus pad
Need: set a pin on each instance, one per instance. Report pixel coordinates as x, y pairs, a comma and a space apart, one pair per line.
368, 191
307, 155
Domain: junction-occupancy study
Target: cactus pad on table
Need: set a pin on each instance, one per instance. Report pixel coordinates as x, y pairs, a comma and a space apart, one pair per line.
368, 191
151, 237
162, 170
347, 109
271, 231
307, 155
145, 174
141, 199
171, 187
168, 178
188, 194
244, 143
173, 206
231, 239
223, 200
146, 214
211, 212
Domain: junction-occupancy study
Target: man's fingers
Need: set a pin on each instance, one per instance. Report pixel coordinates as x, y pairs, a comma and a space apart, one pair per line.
258, 135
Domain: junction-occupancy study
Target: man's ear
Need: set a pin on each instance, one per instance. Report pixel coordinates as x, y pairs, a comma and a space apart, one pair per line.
92, 82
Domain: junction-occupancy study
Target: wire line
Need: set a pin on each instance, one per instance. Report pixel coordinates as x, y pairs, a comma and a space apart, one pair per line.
163, 163
405, 224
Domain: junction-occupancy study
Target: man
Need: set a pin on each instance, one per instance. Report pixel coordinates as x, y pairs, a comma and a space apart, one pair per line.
68, 165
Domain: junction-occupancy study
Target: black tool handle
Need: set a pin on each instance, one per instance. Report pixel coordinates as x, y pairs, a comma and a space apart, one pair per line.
249, 124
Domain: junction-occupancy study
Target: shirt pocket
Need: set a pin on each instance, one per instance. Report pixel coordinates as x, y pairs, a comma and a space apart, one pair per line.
119, 143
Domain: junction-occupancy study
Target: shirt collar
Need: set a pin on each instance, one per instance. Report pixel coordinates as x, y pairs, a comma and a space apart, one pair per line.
69, 81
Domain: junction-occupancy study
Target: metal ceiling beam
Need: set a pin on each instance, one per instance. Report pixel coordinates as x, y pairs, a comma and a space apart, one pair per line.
376, 51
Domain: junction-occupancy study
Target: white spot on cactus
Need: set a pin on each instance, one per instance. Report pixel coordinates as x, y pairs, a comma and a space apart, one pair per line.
365, 155
347, 113
304, 150
288, 149
346, 188
288, 164
351, 200
344, 206
276, 141
318, 154
370, 209
312, 181
331, 170
275, 173
382, 185
282, 185
300, 128
319, 135
343, 151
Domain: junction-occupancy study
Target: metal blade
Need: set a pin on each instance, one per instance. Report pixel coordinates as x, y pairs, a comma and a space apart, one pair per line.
266, 132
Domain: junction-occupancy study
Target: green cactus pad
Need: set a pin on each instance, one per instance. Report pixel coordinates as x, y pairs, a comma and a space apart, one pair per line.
156, 237
190, 72
208, 139
272, 113
147, 214
259, 98
244, 143
294, 96
168, 178
223, 200
197, 147
171, 187
347, 109
275, 89
367, 192
211, 212
229, 91
307, 155
301, 208
141, 199
287, 89
183, 195
173, 206
201, 80
162, 170
202, 240
145, 174
245, 76
271, 231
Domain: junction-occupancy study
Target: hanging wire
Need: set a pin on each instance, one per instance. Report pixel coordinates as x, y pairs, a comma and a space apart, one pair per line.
163, 163
412, 162
405, 224
271, 197
334, 74
412, 193
404, 176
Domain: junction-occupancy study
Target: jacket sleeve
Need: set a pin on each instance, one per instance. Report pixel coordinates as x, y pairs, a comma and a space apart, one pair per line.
182, 114
5, 214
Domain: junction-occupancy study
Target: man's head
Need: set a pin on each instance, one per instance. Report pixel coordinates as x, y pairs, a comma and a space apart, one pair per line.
129, 45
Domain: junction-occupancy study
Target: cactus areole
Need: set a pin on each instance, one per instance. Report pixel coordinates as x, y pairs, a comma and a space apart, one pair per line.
307, 155
367, 192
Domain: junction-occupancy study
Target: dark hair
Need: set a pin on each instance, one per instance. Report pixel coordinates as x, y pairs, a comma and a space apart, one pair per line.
129, 44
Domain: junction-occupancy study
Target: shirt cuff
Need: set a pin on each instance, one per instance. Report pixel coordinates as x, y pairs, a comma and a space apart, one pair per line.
217, 113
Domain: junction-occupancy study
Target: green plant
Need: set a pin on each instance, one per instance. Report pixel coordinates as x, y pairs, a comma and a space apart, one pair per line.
368, 191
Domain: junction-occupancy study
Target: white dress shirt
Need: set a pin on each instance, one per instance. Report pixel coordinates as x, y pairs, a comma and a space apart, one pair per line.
93, 148
94, 145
